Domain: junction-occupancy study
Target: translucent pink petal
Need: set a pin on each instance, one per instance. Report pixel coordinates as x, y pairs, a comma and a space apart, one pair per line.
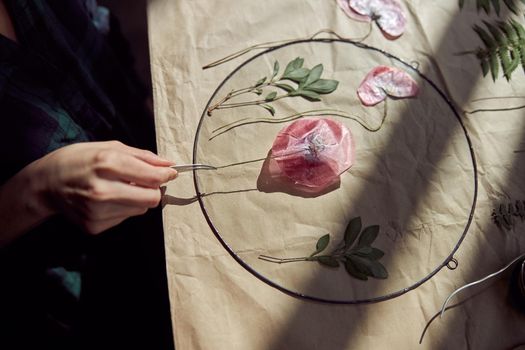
313, 152
388, 14
382, 81
343, 4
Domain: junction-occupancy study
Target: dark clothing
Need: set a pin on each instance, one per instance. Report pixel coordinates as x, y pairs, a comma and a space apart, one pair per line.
64, 83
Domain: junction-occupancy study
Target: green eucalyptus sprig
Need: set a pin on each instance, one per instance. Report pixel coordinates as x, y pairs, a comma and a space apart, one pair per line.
355, 252
296, 80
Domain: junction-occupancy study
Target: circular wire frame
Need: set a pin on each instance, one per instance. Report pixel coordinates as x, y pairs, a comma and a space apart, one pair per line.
299, 295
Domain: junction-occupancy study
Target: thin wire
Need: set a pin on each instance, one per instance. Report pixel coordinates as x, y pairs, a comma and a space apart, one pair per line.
313, 298
494, 274
323, 112
272, 44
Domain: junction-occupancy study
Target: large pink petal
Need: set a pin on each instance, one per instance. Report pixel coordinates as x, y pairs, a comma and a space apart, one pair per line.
313, 152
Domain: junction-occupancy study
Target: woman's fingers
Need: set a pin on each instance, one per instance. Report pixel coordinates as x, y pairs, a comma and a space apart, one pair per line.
145, 155
127, 168
109, 191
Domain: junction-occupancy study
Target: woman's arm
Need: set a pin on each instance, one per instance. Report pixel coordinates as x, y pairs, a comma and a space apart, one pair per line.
6, 25
97, 185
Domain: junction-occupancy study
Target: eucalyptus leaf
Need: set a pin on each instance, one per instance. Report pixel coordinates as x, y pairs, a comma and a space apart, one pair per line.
293, 65
297, 75
352, 231
360, 264
275, 69
314, 75
310, 95
271, 96
376, 254
368, 236
269, 109
260, 82
323, 86
285, 87
354, 271
328, 261
378, 270
363, 251
321, 245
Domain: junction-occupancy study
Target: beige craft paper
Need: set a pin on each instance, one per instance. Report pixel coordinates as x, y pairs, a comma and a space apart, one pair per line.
414, 178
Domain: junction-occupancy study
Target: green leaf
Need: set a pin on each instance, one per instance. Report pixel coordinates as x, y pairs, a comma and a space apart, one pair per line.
297, 75
485, 4
260, 82
298, 63
258, 92
328, 261
512, 6
352, 231
321, 245
314, 75
378, 270
484, 66
501, 39
376, 254
309, 95
364, 251
485, 37
271, 96
368, 236
275, 69
293, 65
371, 253
518, 28
495, 4
494, 65
359, 264
369, 267
285, 87
323, 86
269, 109
352, 269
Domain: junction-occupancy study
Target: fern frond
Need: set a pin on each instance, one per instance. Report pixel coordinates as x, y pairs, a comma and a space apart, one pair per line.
486, 5
504, 46
504, 215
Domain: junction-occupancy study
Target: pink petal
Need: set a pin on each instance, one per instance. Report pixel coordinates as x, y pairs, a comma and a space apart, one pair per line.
382, 81
343, 4
313, 152
388, 14
392, 20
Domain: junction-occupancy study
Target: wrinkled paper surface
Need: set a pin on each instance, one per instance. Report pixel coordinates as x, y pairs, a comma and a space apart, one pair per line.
414, 178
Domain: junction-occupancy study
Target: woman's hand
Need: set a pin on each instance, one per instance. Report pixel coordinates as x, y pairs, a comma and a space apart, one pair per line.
97, 185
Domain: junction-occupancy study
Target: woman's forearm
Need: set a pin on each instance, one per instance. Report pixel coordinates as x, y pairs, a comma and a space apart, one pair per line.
22, 204
95, 185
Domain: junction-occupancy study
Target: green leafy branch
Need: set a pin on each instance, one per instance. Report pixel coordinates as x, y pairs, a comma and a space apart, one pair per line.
306, 83
504, 216
355, 252
486, 5
504, 46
